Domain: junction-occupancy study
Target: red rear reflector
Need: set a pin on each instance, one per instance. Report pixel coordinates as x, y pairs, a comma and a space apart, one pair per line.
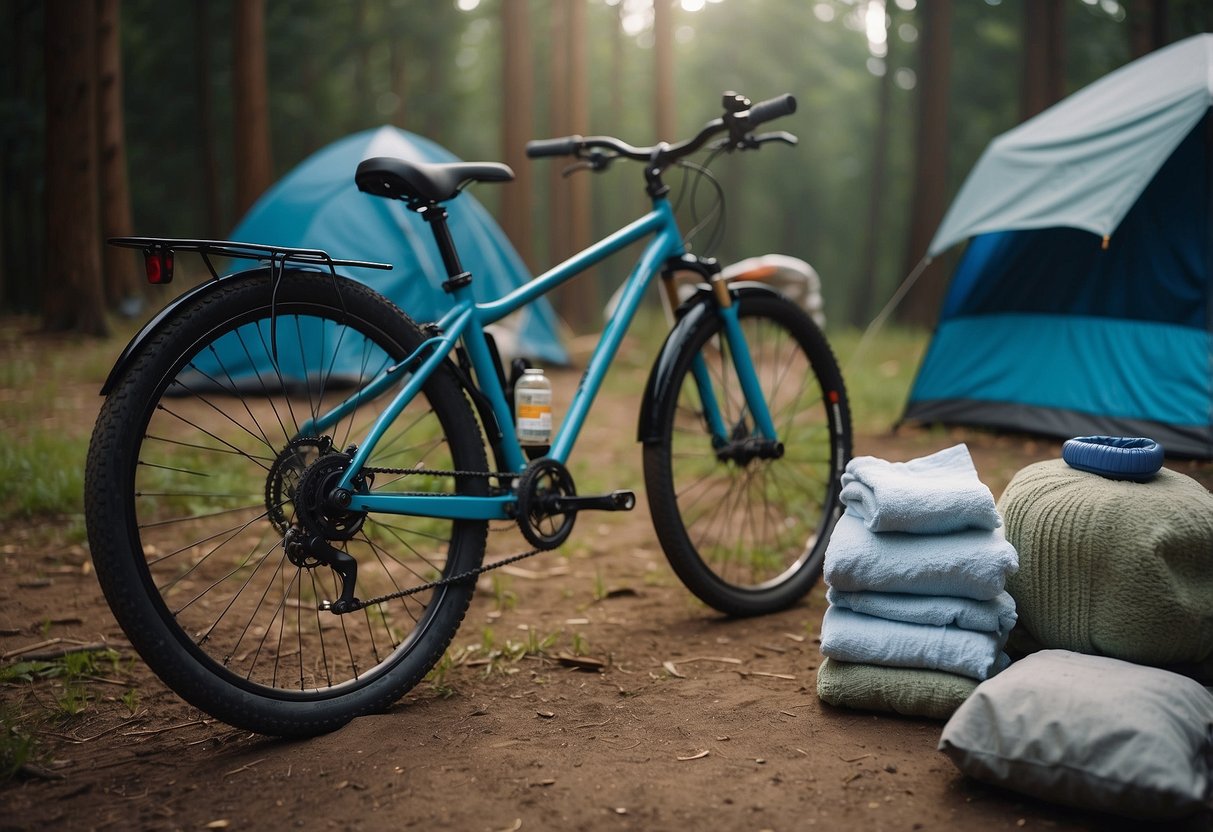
158, 263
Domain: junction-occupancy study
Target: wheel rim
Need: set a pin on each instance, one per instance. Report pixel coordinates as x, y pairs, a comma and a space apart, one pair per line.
753, 511
211, 491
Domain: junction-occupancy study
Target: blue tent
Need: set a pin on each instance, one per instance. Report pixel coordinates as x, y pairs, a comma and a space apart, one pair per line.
317, 205
1083, 303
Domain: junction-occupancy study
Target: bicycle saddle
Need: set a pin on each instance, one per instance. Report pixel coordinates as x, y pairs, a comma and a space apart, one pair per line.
398, 179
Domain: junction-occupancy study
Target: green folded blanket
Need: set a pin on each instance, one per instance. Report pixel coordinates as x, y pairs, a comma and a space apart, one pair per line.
902, 690
1112, 568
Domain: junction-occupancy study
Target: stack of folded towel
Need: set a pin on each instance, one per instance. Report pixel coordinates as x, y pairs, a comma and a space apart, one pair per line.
916, 568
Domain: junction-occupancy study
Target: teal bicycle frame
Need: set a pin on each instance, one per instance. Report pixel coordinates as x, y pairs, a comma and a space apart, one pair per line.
466, 320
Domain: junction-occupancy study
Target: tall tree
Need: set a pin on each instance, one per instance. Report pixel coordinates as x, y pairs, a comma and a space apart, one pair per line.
663, 70
558, 125
1043, 80
250, 94
569, 221
76, 301
929, 196
120, 266
587, 309
862, 300
517, 124
1147, 26
208, 161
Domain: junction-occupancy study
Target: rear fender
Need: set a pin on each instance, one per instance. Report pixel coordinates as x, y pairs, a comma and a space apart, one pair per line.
690, 314
164, 315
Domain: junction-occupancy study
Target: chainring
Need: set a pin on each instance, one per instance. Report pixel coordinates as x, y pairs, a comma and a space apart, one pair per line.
542, 481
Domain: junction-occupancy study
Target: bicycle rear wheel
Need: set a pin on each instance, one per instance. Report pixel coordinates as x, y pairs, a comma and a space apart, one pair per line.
198, 467
747, 532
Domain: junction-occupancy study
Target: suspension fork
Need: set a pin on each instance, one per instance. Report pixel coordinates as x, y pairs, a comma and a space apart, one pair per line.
743, 364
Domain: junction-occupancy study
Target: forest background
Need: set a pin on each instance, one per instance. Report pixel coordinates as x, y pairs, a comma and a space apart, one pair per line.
170, 117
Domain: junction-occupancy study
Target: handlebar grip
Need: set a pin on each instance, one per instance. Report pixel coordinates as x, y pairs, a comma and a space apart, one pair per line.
772, 108
566, 146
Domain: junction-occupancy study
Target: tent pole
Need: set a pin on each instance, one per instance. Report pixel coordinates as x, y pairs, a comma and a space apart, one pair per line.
879, 321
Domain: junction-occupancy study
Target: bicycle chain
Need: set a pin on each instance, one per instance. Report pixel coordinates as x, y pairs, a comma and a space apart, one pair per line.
453, 579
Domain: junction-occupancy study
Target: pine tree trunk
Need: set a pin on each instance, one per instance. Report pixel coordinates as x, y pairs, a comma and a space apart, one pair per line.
517, 97
864, 296
931, 160
1044, 67
558, 125
586, 315
207, 157
1147, 26
250, 94
73, 298
121, 266
664, 113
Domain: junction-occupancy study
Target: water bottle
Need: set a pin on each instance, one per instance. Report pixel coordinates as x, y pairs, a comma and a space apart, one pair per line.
533, 408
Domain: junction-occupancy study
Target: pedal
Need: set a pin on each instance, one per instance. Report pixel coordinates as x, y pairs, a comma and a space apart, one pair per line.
615, 501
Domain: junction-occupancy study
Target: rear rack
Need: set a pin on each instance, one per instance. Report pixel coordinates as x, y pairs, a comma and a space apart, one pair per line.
161, 249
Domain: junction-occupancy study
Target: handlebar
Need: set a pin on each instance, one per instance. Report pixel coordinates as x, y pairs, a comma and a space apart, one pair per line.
739, 119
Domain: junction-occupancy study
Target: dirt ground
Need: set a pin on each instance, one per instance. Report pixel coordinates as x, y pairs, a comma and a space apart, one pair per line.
693, 722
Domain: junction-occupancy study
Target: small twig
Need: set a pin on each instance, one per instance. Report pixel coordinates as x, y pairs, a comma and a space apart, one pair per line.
74, 646
169, 728
724, 659
244, 767
110, 730
593, 724
854, 759
785, 676
119, 682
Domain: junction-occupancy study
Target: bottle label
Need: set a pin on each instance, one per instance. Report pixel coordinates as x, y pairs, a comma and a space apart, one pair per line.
534, 417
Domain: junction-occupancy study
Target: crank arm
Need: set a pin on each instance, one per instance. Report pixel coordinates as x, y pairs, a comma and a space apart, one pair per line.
615, 501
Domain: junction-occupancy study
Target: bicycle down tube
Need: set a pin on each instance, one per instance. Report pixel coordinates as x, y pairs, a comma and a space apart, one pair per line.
466, 321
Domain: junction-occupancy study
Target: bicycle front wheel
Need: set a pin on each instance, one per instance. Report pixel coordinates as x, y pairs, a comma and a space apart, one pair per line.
745, 529
214, 443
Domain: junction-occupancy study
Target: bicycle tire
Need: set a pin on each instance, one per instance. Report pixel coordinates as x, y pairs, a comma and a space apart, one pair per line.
191, 479
750, 538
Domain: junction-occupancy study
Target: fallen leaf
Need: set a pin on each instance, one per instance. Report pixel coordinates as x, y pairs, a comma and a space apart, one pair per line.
219, 824
671, 669
581, 662
545, 714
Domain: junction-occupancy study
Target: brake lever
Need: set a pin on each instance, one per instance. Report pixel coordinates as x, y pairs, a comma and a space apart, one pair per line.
593, 160
774, 136
749, 141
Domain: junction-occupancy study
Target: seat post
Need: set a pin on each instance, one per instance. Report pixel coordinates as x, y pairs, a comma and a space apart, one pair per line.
436, 216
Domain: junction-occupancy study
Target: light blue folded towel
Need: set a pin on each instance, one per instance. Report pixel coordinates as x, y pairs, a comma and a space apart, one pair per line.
853, 637
934, 494
967, 564
994, 616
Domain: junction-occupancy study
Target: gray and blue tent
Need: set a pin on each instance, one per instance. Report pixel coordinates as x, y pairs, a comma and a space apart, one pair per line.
317, 205
1083, 302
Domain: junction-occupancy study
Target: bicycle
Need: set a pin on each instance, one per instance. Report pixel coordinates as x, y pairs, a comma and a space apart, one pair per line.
234, 524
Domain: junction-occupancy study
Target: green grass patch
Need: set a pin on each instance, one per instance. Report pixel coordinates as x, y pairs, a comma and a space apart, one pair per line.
42, 474
878, 376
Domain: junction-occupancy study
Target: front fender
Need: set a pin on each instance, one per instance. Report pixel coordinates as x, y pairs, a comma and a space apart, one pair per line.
162, 317
690, 314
